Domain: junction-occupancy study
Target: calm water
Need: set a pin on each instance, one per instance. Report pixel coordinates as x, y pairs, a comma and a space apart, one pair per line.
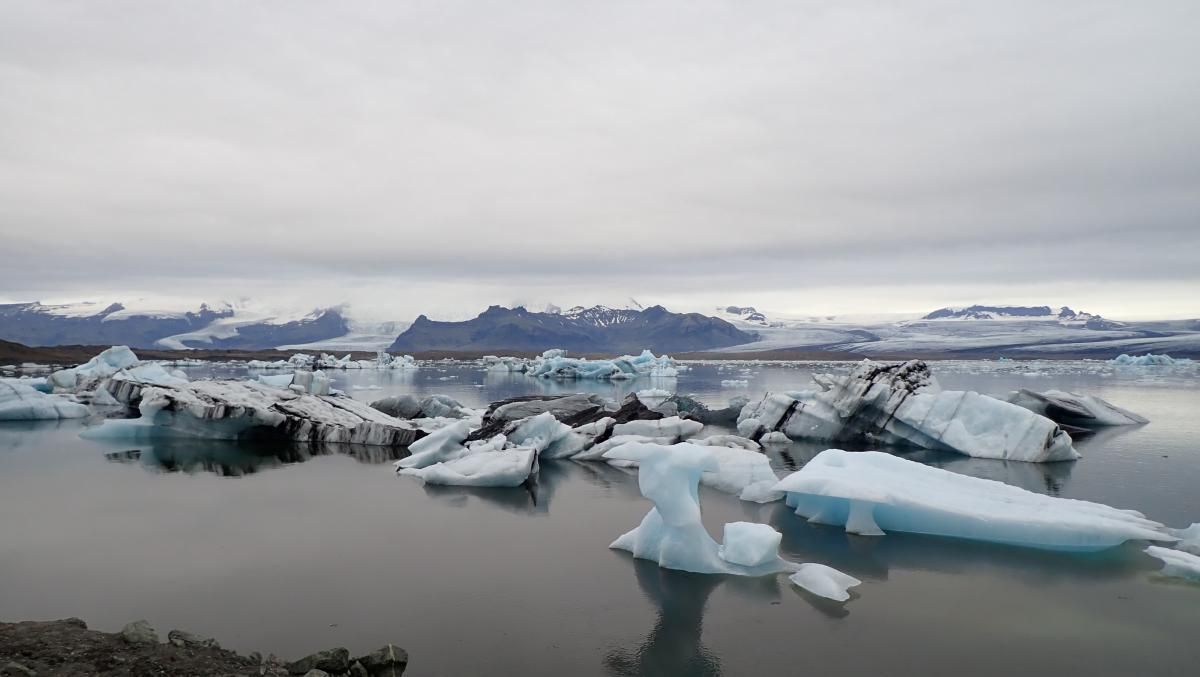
292, 550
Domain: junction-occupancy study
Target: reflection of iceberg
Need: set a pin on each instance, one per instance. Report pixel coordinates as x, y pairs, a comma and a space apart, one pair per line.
901, 404
232, 459
870, 493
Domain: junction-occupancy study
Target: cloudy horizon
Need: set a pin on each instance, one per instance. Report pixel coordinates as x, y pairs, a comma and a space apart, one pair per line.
436, 158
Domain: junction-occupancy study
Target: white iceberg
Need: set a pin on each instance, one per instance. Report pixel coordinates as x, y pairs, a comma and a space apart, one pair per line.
824, 581
445, 444
672, 534
21, 402
1148, 360
672, 427
901, 404
1081, 411
554, 364
870, 493
230, 409
1189, 538
102, 366
749, 544
493, 468
549, 437
1176, 563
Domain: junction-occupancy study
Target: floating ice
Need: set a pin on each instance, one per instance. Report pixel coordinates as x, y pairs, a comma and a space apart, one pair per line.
824, 581
671, 427
1189, 538
546, 435
1148, 360
871, 492
20, 402
1176, 562
1082, 411
445, 444
901, 404
492, 468
150, 373
554, 364
749, 544
99, 367
672, 533
230, 409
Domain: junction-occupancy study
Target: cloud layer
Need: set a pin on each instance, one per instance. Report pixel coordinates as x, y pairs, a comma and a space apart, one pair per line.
397, 154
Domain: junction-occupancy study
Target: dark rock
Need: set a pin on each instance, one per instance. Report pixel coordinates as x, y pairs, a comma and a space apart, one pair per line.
139, 632
316, 673
336, 661
357, 670
181, 638
389, 661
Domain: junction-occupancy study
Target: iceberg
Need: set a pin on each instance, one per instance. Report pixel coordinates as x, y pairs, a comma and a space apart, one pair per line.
870, 493
672, 533
1148, 360
554, 364
901, 404
492, 468
749, 544
1189, 538
824, 581
21, 402
231, 409
1176, 563
1081, 411
441, 445
102, 366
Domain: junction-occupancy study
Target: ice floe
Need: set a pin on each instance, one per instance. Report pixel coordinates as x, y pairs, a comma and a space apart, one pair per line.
870, 493
824, 581
1176, 563
21, 402
1082, 411
493, 468
1189, 538
554, 364
901, 404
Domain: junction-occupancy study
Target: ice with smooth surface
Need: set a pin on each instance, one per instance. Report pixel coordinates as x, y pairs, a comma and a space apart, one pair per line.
506, 468
1083, 411
824, 581
1176, 563
672, 426
901, 404
672, 533
871, 493
1189, 538
21, 402
749, 544
548, 436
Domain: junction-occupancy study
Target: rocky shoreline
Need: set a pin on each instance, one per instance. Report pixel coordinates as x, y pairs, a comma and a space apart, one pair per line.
67, 648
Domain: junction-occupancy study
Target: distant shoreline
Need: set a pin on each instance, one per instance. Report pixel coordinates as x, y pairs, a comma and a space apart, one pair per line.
16, 354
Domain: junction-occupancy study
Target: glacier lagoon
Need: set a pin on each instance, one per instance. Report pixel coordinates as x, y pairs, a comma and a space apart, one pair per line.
286, 548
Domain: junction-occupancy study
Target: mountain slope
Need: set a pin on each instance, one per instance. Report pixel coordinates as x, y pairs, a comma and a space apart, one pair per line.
35, 324
596, 329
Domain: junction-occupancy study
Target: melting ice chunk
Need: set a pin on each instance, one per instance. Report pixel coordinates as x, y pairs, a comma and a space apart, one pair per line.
824, 581
750, 544
871, 492
1176, 562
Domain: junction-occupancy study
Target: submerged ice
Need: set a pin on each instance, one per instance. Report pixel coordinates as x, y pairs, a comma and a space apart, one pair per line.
870, 493
1082, 411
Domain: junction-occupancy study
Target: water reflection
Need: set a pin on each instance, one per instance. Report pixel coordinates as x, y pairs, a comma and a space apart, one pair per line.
235, 459
673, 646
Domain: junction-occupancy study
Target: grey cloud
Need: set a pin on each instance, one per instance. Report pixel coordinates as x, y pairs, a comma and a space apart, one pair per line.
708, 149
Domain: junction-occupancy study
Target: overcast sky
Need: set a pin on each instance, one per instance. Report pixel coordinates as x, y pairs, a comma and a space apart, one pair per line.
440, 156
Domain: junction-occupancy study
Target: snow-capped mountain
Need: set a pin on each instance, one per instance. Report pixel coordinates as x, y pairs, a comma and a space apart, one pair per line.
595, 329
148, 325
1017, 331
